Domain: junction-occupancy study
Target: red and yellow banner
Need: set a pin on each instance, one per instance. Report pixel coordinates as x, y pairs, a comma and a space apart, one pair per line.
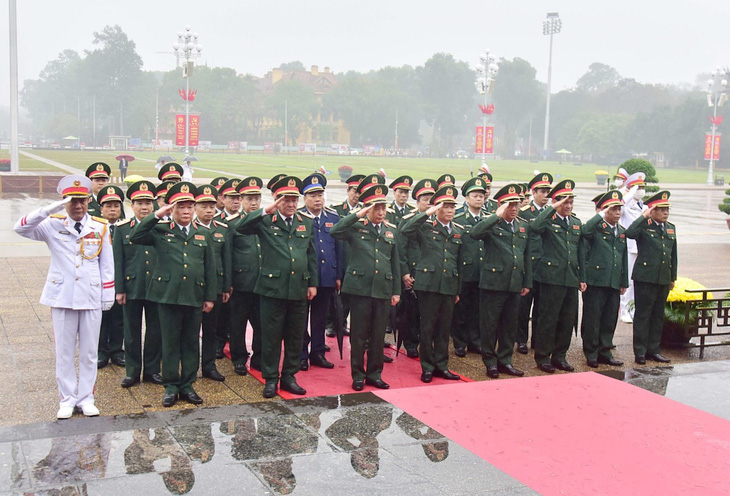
180, 130
480, 140
489, 141
194, 127
194, 131
708, 147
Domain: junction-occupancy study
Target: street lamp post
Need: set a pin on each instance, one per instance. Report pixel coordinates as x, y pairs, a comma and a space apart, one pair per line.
187, 43
487, 69
716, 97
550, 26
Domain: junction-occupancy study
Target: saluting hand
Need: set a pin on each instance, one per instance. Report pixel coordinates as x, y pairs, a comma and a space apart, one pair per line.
363, 211
432, 210
647, 213
274, 206
559, 203
164, 211
501, 210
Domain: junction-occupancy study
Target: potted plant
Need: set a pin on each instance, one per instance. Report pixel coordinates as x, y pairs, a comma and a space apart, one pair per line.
601, 177
725, 206
673, 333
345, 171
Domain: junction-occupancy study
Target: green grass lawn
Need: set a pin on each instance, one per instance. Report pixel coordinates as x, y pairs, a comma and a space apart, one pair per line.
214, 164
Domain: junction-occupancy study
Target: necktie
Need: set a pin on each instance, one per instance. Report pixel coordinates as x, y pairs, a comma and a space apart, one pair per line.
78, 227
111, 229
316, 222
448, 229
661, 228
185, 231
288, 222
512, 226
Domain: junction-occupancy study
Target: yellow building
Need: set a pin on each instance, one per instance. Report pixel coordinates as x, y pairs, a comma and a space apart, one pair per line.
324, 128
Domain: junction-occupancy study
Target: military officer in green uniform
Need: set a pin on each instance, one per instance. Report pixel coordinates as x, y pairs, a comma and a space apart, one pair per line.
607, 277
218, 182
274, 179
437, 281
560, 273
161, 194
540, 186
490, 206
372, 281
655, 272
288, 278
184, 284
133, 265
205, 202
99, 173
111, 335
506, 274
399, 207
465, 325
246, 265
170, 172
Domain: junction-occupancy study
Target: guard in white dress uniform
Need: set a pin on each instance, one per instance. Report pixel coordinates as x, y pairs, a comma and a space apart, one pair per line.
633, 191
79, 285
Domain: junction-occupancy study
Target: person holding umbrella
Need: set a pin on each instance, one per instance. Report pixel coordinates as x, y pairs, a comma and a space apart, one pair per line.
188, 168
124, 164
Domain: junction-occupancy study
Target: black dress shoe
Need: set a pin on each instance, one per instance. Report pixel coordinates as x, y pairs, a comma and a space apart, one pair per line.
321, 361
269, 390
446, 374
169, 400
100, 364
215, 375
510, 370
154, 378
522, 348
128, 382
460, 352
191, 397
219, 353
358, 385
610, 361
388, 330
493, 372
563, 366
240, 369
326, 348
592, 362
475, 349
546, 367
412, 352
427, 377
118, 361
387, 359
303, 365
378, 383
640, 359
329, 332
656, 357
293, 388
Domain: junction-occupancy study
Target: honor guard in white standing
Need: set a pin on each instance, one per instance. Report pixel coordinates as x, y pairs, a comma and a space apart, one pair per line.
79, 285
633, 192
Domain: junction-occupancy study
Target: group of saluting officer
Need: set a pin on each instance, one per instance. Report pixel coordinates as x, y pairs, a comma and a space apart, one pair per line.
210, 257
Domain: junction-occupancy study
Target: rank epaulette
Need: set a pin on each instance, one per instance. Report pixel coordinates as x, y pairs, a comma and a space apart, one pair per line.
408, 216
58, 216
234, 216
123, 222
223, 224
331, 210
458, 225
525, 208
389, 210
100, 219
306, 214
364, 220
164, 221
389, 224
198, 224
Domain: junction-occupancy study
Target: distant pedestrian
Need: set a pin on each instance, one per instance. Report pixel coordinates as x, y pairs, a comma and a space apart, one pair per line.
123, 165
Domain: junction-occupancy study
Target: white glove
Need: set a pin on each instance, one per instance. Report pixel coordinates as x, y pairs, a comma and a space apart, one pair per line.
56, 206
631, 194
106, 305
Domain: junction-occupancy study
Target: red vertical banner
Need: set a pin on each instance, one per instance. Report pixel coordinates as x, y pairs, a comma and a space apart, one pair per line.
194, 127
180, 130
489, 142
479, 147
709, 148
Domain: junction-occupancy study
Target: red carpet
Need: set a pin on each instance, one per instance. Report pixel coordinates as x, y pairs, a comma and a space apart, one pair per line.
404, 372
578, 434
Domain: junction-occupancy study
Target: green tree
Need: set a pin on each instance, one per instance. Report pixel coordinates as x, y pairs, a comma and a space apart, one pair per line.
294, 103
598, 78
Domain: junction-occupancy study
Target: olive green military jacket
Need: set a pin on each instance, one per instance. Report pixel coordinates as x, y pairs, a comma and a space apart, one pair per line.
528, 214
343, 210
374, 268
408, 249
472, 250
133, 263
185, 271
657, 259
394, 215
288, 259
490, 206
507, 265
563, 250
245, 257
218, 236
607, 261
437, 269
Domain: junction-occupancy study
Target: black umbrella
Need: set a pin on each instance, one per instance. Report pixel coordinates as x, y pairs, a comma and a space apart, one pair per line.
406, 316
338, 320
166, 158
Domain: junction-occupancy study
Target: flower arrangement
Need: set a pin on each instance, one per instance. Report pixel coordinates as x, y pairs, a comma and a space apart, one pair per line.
673, 333
601, 176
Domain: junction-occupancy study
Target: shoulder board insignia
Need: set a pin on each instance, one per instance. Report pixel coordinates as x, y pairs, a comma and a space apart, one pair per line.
525, 208
410, 206
123, 222
458, 225
390, 210
199, 225
363, 220
164, 221
306, 214
100, 219
520, 219
219, 223
234, 216
389, 224
331, 210
58, 216
408, 216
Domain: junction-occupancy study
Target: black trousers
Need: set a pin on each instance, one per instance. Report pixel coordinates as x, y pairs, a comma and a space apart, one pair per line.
111, 334
367, 333
528, 303
133, 352
317, 321
210, 337
245, 309
465, 324
498, 324
600, 314
556, 319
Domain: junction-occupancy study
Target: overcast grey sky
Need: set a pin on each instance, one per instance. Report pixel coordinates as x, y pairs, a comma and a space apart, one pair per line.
668, 41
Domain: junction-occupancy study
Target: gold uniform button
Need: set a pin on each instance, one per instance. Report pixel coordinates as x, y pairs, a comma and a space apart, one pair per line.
425, 270
146, 252
293, 260
185, 266
127, 278
322, 261
185, 278
271, 275
148, 272
376, 271
159, 278
185, 254
292, 272
185, 243
494, 270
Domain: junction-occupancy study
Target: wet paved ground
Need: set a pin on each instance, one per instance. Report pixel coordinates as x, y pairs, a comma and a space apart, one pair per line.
134, 446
